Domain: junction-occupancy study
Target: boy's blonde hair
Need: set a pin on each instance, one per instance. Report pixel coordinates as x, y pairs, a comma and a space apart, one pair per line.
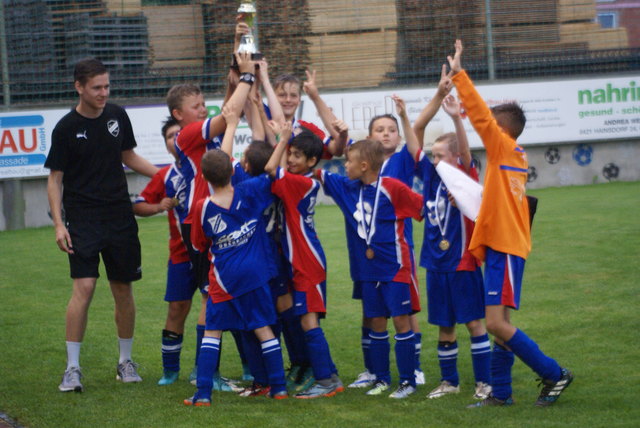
370, 151
177, 93
452, 141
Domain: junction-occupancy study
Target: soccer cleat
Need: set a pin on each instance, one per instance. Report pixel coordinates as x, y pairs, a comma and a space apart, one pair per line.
491, 401
127, 372
482, 390
419, 375
281, 395
168, 377
292, 375
223, 384
404, 390
304, 380
378, 388
246, 373
316, 391
443, 389
364, 380
551, 390
197, 402
337, 382
255, 390
193, 377
71, 380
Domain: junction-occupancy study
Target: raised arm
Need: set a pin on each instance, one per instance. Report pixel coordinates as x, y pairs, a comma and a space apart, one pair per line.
337, 143
452, 107
409, 135
430, 110
252, 112
137, 163
281, 132
231, 117
272, 99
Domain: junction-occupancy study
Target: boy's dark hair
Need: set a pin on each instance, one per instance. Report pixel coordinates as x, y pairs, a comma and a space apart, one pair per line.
371, 151
177, 93
309, 144
168, 123
286, 78
257, 155
382, 116
451, 139
216, 167
87, 68
510, 117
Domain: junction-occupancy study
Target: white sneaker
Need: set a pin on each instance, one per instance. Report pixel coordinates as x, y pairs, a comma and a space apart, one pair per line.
404, 390
443, 389
379, 387
419, 375
127, 372
71, 380
364, 380
482, 391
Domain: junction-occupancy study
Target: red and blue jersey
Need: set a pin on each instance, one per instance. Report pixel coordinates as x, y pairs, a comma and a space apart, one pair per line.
168, 183
440, 213
396, 202
301, 245
236, 239
191, 144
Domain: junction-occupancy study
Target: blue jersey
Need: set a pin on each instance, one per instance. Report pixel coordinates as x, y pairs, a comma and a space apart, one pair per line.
443, 218
396, 202
236, 238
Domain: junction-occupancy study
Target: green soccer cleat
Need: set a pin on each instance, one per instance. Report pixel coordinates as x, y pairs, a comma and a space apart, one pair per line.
168, 377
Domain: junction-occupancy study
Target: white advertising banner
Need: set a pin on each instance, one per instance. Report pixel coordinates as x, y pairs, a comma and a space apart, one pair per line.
567, 111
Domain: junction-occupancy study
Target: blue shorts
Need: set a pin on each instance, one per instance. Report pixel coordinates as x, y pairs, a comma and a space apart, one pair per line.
502, 279
454, 297
248, 312
181, 282
385, 299
357, 290
314, 300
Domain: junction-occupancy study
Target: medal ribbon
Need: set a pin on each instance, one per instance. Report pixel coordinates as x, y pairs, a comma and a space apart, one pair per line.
369, 229
443, 229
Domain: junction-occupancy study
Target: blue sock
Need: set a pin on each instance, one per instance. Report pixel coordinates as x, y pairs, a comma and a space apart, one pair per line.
199, 335
448, 359
294, 338
272, 357
406, 356
318, 350
379, 352
418, 342
501, 363
529, 352
207, 362
171, 347
365, 343
481, 358
253, 351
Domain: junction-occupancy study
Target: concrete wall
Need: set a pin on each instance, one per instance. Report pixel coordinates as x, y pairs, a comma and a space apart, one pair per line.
550, 166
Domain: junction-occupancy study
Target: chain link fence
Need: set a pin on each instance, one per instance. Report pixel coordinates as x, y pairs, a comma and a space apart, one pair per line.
150, 45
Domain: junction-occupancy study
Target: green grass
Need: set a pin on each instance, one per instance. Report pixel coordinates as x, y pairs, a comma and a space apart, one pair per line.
580, 303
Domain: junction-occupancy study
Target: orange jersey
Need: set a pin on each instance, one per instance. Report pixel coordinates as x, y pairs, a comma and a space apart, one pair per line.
503, 220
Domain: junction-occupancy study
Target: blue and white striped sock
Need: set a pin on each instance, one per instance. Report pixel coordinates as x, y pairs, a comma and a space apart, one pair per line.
448, 360
481, 358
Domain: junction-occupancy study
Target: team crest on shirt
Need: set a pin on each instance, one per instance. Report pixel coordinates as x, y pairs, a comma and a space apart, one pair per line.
114, 127
217, 224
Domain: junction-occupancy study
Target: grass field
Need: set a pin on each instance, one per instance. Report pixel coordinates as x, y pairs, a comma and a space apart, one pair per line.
580, 303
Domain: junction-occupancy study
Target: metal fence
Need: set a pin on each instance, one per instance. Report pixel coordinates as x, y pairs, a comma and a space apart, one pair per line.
150, 45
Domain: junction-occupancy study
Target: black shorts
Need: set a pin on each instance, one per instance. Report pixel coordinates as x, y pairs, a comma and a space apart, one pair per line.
115, 239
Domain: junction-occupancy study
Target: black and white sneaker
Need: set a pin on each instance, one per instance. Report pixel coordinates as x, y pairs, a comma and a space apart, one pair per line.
551, 390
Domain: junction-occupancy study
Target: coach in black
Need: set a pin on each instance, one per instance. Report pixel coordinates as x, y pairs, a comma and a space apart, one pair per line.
88, 147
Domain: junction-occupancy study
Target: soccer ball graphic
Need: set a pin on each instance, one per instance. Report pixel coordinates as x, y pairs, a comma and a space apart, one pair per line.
610, 171
582, 154
532, 174
552, 155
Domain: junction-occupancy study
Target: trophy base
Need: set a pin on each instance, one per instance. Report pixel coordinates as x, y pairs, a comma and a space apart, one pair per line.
255, 56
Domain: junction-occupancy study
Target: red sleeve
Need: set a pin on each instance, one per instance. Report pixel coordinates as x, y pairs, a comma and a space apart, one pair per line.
406, 202
290, 187
198, 239
155, 190
190, 137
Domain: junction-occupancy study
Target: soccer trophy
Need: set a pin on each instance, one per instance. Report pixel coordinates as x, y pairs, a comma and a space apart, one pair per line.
248, 42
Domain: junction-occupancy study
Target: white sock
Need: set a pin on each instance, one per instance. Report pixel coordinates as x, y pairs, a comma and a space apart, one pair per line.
125, 349
73, 354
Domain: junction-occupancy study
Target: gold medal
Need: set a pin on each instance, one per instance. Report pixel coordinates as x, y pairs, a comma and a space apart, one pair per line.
444, 245
369, 253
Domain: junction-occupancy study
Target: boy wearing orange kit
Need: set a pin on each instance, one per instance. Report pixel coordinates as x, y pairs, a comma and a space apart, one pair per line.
502, 238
